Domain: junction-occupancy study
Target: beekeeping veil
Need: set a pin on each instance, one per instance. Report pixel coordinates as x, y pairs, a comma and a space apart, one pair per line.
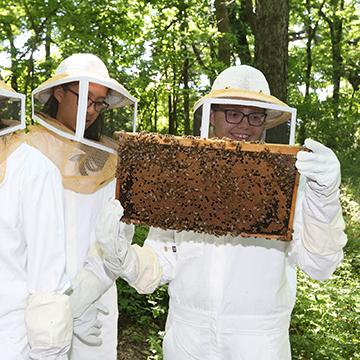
247, 86
12, 119
78, 110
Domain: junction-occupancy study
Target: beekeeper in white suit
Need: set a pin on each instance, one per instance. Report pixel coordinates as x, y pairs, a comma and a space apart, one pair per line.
35, 314
71, 108
231, 297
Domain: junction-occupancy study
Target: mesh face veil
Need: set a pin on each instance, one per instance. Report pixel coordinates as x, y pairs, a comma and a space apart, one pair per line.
247, 87
12, 110
82, 103
12, 119
78, 110
84, 169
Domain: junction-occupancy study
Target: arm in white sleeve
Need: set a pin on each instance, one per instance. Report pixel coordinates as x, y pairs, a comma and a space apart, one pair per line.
89, 284
323, 229
49, 326
323, 225
318, 236
48, 316
162, 243
137, 265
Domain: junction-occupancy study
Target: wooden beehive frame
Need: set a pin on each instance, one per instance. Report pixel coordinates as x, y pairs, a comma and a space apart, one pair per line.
187, 183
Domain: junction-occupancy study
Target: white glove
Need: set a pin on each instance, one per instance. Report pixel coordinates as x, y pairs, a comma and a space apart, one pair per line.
320, 167
49, 325
323, 225
114, 239
86, 289
87, 328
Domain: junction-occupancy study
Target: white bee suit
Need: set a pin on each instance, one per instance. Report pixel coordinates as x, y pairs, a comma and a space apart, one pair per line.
81, 213
72, 135
231, 298
32, 260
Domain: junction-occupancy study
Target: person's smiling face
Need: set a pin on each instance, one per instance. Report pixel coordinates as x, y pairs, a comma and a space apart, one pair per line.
228, 121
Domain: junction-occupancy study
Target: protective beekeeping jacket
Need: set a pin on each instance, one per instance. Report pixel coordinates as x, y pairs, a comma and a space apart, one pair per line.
231, 298
35, 315
87, 166
81, 211
32, 252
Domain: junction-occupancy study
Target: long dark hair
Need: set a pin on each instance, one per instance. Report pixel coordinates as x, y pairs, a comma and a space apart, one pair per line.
94, 131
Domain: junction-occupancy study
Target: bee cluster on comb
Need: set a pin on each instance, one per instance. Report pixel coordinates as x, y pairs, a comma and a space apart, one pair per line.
216, 186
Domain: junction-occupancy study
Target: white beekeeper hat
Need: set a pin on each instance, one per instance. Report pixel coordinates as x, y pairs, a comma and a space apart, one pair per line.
83, 69
86, 66
246, 85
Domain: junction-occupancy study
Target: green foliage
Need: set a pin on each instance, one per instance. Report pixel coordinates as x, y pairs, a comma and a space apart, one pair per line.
142, 318
326, 316
130, 302
152, 47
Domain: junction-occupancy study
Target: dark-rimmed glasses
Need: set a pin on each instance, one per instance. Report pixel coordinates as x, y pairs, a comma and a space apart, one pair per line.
236, 117
99, 106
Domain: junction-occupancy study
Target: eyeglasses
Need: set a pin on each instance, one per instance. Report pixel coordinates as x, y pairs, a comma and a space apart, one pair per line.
236, 117
99, 106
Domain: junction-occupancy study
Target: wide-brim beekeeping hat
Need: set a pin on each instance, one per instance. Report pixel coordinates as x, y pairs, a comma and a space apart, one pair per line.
90, 67
84, 70
244, 82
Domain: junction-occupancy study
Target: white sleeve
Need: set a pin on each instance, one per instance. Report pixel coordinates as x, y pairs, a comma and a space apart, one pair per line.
43, 221
163, 244
318, 236
48, 317
49, 326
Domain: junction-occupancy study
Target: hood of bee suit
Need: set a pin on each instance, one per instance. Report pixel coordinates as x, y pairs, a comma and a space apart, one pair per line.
84, 169
85, 123
8, 144
245, 82
12, 115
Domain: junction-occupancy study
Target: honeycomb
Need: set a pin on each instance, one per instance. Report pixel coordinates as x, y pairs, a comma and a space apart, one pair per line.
216, 186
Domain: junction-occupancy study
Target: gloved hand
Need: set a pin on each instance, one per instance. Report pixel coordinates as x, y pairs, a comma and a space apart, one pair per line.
320, 167
86, 289
87, 327
114, 239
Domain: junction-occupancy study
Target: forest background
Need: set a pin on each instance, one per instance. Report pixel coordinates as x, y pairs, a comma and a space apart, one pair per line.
167, 53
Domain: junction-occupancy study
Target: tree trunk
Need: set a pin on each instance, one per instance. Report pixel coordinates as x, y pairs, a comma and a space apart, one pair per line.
271, 54
156, 111
240, 29
336, 27
336, 38
186, 97
185, 66
223, 25
171, 117
13, 57
48, 64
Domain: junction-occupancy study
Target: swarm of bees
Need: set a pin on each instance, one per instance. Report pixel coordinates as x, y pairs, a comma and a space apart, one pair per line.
216, 186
